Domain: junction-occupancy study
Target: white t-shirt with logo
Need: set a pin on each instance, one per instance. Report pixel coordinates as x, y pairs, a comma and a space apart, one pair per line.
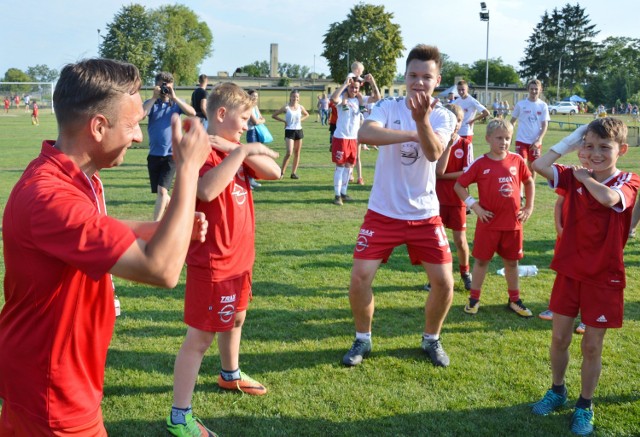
470, 106
349, 118
530, 116
404, 183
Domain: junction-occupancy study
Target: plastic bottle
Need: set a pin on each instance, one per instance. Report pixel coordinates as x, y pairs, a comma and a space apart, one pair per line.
116, 303
522, 271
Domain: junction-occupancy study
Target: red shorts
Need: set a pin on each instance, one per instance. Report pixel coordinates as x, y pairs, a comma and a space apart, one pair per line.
344, 151
17, 424
528, 151
507, 244
426, 239
600, 307
454, 217
212, 305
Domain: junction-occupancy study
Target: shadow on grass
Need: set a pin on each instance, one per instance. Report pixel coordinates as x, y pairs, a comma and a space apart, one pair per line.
515, 420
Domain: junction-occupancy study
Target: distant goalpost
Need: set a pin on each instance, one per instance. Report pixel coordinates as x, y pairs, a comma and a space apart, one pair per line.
42, 92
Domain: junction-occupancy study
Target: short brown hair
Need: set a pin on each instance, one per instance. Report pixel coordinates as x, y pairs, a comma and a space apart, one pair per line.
91, 87
423, 52
462, 82
609, 128
164, 76
228, 95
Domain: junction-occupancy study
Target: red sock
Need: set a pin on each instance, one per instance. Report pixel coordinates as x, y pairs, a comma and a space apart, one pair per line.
474, 294
464, 269
514, 295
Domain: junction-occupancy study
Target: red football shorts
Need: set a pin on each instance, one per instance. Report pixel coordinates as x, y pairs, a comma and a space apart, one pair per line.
18, 424
528, 151
426, 239
507, 244
212, 305
344, 151
454, 217
600, 307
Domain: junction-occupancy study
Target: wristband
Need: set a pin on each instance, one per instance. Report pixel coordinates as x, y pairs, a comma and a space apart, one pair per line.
469, 201
571, 142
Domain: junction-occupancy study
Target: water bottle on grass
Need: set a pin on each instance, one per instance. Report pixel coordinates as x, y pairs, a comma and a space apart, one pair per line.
522, 270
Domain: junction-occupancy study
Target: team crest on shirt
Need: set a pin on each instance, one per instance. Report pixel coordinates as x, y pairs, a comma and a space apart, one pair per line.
409, 153
240, 193
513, 170
458, 153
240, 173
506, 190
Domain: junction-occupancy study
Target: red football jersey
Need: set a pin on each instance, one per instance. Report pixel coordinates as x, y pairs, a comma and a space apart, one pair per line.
460, 157
229, 246
58, 319
498, 189
594, 236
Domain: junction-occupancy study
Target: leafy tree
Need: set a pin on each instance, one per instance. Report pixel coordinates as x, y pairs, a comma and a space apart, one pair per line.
450, 70
182, 42
563, 40
619, 79
42, 73
366, 35
257, 69
293, 70
499, 72
17, 75
129, 38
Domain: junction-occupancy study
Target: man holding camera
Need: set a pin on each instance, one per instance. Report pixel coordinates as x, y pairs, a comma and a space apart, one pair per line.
159, 108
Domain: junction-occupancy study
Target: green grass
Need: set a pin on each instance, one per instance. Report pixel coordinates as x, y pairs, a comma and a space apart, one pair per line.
299, 324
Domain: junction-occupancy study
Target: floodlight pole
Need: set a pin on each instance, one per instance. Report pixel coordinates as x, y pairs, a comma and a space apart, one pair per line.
484, 16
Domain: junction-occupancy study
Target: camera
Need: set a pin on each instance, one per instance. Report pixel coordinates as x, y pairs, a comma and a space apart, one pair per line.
164, 89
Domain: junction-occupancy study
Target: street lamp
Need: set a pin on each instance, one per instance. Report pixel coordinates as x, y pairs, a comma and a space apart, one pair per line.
559, 74
484, 16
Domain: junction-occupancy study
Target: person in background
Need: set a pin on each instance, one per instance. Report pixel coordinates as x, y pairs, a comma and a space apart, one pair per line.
295, 114
199, 99
471, 107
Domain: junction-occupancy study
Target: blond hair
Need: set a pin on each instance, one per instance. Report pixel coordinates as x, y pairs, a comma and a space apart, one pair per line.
457, 110
227, 95
499, 123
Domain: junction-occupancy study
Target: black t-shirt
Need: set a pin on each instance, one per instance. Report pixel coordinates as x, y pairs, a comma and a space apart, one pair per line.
196, 99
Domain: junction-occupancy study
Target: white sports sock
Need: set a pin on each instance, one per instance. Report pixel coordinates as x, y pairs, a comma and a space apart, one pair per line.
345, 179
431, 337
337, 180
363, 336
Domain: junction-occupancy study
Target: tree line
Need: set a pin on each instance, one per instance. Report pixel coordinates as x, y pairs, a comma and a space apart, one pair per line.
561, 51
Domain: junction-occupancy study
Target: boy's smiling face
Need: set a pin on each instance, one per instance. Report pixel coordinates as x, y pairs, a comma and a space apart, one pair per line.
600, 154
231, 124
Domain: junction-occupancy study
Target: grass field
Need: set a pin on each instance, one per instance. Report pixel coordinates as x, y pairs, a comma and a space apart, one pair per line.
299, 324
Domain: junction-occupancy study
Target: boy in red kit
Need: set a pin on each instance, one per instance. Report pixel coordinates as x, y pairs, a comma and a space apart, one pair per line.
590, 274
56, 325
498, 175
34, 115
457, 157
219, 270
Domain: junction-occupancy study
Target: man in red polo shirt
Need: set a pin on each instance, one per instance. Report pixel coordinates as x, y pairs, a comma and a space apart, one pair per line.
56, 325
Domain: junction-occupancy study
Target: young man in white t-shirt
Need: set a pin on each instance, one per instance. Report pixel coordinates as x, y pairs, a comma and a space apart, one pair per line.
471, 107
532, 115
403, 206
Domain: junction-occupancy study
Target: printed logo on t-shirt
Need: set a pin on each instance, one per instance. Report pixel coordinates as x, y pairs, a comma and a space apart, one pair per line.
409, 153
506, 190
487, 171
458, 153
513, 170
240, 193
579, 190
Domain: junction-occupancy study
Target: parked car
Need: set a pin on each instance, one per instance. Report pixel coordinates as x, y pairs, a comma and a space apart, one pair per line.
564, 108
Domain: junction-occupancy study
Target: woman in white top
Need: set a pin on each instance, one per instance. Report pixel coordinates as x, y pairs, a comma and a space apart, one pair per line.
295, 114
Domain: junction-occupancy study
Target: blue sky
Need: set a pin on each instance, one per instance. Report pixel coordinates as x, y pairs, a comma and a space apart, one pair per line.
57, 32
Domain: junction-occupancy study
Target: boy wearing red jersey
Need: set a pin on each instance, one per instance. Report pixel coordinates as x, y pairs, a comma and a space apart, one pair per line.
219, 270
588, 260
498, 175
457, 157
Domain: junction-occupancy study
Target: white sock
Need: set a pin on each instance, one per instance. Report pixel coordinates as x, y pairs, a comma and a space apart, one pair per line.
345, 180
363, 336
430, 337
337, 180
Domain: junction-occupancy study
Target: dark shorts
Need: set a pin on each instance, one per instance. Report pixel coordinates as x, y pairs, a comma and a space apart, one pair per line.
293, 134
161, 171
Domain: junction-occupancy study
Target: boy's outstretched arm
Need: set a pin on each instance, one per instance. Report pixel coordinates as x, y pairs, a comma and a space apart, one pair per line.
261, 163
